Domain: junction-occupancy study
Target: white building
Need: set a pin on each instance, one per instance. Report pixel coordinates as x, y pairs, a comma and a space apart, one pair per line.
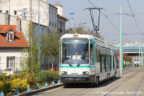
13, 49
28, 10
60, 9
61, 22
22, 12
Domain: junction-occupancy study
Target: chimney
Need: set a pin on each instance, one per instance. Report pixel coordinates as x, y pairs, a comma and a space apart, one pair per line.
30, 9
6, 19
18, 24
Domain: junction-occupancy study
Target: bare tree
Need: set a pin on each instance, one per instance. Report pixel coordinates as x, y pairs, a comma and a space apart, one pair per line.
81, 30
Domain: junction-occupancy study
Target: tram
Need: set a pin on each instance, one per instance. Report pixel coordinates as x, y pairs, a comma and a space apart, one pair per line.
85, 59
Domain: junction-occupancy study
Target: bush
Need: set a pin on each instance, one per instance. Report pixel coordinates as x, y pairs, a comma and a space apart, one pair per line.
1, 85
6, 87
19, 84
43, 76
55, 76
8, 83
48, 76
29, 76
5, 77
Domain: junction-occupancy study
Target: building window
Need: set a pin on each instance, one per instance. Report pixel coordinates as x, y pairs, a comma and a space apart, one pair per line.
15, 12
50, 23
55, 25
61, 24
10, 36
98, 54
7, 11
10, 62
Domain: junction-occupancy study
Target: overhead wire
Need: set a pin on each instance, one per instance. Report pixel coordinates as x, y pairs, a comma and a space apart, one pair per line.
114, 26
134, 17
92, 4
105, 15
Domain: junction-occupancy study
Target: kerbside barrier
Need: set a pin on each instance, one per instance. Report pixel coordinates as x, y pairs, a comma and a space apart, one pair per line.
39, 90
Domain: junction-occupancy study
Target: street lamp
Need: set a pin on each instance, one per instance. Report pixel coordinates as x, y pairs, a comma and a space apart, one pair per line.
142, 57
38, 34
84, 23
70, 14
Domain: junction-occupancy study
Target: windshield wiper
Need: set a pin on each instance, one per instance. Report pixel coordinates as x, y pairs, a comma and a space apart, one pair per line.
78, 64
70, 64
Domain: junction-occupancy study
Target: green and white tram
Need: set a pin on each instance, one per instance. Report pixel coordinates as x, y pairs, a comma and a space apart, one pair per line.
85, 59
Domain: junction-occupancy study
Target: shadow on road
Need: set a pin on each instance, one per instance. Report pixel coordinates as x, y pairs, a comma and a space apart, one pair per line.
101, 84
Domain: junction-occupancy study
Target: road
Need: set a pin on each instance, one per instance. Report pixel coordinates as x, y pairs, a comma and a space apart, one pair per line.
131, 84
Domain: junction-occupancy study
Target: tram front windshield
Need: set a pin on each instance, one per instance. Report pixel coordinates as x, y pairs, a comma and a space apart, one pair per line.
75, 51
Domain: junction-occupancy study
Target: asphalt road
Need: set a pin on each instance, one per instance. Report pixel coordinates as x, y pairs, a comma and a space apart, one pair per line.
131, 84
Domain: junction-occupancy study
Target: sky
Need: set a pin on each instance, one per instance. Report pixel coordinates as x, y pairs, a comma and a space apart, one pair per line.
109, 26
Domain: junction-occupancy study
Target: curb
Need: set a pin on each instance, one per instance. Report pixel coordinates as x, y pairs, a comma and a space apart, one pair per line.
39, 90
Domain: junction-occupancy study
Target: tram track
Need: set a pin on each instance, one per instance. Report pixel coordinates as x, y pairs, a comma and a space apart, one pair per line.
87, 90
82, 92
122, 82
59, 89
139, 88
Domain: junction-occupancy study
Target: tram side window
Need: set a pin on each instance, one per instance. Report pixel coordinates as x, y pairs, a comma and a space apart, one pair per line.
109, 63
114, 62
103, 59
98, 54
108, 60
91, 54
102, 63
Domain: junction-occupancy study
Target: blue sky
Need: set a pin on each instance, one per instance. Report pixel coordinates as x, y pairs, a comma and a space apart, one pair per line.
107, 30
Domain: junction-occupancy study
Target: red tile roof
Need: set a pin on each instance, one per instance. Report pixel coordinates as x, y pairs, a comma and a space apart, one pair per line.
19, 40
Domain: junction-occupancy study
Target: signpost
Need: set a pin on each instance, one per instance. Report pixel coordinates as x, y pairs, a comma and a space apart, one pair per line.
121, 43
71, 13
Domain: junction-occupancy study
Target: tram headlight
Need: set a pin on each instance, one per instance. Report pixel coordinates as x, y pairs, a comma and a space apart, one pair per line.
64, 72
86, 73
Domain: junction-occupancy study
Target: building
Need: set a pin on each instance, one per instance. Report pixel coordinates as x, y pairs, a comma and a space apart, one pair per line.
61, 22
27, 11
24, 12
59, 9
13, 49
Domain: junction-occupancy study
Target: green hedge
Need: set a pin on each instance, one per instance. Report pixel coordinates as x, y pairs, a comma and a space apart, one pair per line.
8, 83
48, 76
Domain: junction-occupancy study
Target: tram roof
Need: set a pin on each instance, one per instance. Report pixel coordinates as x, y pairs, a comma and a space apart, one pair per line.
84, 36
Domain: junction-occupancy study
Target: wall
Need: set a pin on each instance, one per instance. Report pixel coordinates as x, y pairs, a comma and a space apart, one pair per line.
52, 18
61, 25
59, 9
3, 19
24, 9
19, 54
